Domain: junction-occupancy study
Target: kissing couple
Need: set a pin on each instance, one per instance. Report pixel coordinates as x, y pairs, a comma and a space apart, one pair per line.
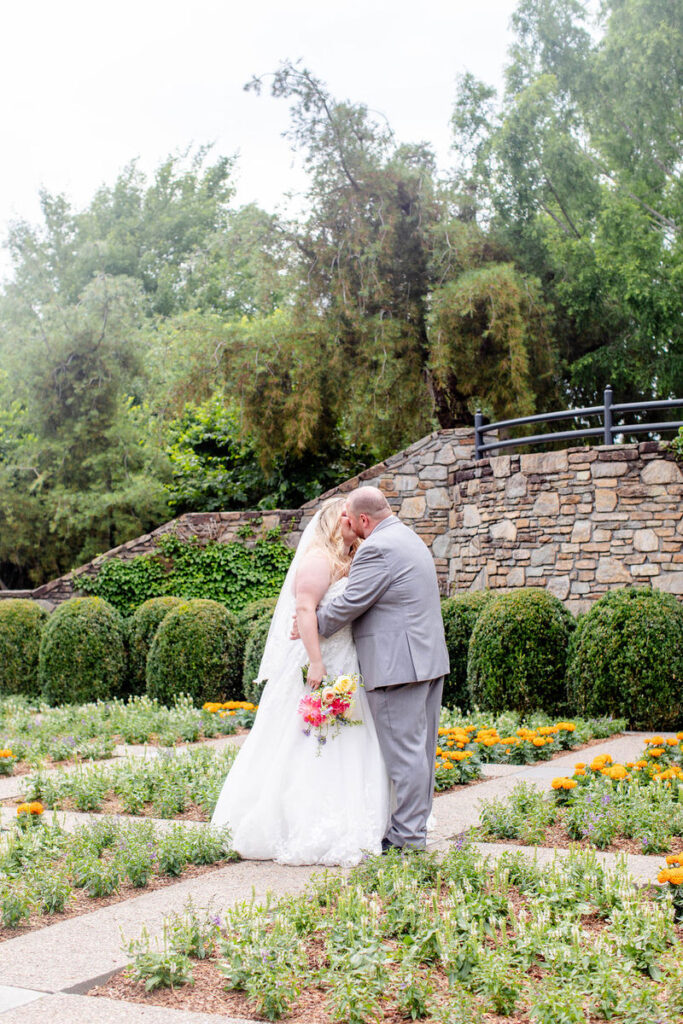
363, 596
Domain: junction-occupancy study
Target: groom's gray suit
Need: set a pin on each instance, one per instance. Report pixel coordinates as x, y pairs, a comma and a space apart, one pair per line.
392, 599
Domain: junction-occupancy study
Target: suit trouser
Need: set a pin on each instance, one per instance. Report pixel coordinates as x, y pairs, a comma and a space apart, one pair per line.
407, 722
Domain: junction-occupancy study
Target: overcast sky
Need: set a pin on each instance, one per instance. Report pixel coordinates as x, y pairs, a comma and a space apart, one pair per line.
86, 86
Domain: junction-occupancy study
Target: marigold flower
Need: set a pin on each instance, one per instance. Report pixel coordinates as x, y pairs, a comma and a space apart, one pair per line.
617, 772
672, 875
6, 753
656, 741
562, 782
23, 809
36, 807
579, 771
538, 742
566, 726
675, 858
580, 764
655, 752
672, 741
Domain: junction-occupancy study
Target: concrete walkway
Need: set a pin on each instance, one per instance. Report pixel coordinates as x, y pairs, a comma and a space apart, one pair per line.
45, 973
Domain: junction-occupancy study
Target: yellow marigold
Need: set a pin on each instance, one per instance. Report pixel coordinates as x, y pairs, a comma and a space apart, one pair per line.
510, 741
450, 743
672, 875
655, 752
539, 742
562, 782
36, 807
566, 726
579, 771
641, 764
679, 735
656, 741
23, 809
6, 753
675, 858
617, 772
438, 751
580, 764
447, 764
442, 731
548, 730
630, 764
672, 741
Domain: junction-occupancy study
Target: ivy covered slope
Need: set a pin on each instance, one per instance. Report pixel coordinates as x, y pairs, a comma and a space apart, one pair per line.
235, 573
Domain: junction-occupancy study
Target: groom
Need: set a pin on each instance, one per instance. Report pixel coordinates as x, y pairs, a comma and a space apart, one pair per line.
392, 599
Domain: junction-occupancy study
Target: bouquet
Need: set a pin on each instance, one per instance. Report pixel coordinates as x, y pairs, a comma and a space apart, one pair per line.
326, 710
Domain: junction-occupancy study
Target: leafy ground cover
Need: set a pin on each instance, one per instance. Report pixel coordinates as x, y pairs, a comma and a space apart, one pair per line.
455, 940
175, 784
47, 874
38, 735
636, 807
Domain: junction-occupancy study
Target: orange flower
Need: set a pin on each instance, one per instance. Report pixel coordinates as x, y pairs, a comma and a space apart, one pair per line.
23, 809
36, 807
655, 752
675, 858
617, 772
562, 782
538, 742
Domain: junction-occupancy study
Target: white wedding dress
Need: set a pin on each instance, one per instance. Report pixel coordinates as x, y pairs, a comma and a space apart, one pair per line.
286, 799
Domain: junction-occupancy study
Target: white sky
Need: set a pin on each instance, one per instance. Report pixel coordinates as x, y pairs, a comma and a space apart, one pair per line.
87, 86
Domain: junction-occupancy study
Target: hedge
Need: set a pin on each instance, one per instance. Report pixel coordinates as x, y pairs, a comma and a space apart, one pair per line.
195, 651
256, 642
626, 659
21, 626
141, 629
518, 653
460, 616
83, 653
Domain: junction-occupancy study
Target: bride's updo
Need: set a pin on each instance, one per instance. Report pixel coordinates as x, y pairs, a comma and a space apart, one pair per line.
328, 538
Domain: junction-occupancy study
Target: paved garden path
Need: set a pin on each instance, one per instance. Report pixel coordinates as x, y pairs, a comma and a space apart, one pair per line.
44, 974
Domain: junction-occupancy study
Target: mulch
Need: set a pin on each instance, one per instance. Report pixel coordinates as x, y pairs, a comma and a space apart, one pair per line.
556, 836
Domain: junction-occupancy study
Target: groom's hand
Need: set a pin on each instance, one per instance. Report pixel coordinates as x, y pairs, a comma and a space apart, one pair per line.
295, 634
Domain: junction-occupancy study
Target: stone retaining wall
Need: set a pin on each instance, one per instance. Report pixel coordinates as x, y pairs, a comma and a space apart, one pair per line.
577, 521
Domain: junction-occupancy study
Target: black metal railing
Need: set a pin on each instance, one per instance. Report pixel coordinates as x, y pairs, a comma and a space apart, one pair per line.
607, 431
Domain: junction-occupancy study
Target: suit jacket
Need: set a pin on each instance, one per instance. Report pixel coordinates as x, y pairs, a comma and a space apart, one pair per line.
392, 600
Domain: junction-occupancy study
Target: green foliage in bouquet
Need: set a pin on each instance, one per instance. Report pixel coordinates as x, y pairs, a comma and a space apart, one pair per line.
195, 651
141, 630
460, 614
518, 653
83, 653
21, 626
626, 658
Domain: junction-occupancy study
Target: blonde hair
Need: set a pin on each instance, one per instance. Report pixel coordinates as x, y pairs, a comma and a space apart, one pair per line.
328, 538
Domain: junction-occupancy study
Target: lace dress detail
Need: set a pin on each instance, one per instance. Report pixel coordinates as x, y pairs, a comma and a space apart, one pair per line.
282, 799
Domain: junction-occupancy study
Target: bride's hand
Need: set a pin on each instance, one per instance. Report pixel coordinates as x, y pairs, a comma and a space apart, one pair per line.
315, 675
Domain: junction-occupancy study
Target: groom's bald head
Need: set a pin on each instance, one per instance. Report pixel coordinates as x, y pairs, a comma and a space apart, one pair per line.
365, 508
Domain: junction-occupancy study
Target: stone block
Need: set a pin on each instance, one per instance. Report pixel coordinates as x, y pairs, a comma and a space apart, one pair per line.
612, 570
661, 471
480, 580
600, 536
670, 582
583, 474
605, 501
471, 517
516, 486
647, 569
504, 530
438, 497
544, 462
442, 547
559, 586
500, 465
435, 472
445, 456
645, 540
516, 577
412, 508
608, 469
544, 555
405, 482
547, 504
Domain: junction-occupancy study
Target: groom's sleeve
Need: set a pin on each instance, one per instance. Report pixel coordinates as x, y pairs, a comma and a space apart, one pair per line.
368, 579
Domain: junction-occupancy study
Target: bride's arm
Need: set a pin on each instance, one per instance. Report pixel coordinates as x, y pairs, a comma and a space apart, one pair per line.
312, 580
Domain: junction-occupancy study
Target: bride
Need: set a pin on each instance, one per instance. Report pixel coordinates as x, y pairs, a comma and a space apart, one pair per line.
285, 798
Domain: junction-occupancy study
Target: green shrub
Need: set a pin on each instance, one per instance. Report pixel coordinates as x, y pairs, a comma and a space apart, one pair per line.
141, 629
256, 642
626, 658
518, 653
21, 625
233, 573
195, 651
460, 614
83, 653
246, 620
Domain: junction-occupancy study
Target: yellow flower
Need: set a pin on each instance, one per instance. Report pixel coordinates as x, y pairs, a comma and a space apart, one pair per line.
6, 753
580, 764
617, 772
656, 741
655, 752
566, 726
36, 807
672, 741
579, 771
675, 858
672, 875
23, 809
562, 782
538, 742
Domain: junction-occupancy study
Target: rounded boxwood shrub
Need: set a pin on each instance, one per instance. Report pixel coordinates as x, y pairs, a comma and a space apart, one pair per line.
256, 642
246, 619
518, 653
21, 626
195, 651
141, 629
83, 652
460, 614
626, 659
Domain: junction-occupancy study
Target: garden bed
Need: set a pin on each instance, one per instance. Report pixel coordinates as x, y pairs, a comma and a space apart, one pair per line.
453, 940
